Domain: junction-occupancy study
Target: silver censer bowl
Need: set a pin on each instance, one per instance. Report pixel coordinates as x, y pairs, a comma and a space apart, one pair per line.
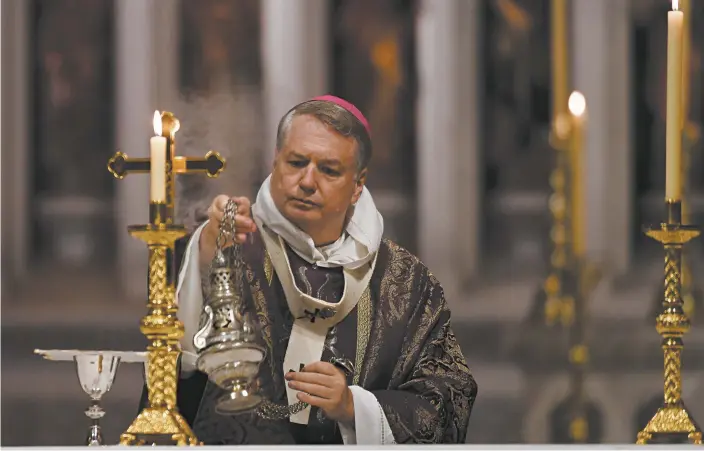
227, 351
96, 374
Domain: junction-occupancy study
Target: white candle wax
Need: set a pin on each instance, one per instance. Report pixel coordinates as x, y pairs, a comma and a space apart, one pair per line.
158, 168
673, 126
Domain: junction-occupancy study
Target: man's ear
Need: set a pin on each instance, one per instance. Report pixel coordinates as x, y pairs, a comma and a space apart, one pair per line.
361, 180
277, 154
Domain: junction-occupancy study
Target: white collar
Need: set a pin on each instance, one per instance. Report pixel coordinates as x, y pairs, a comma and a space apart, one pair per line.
355, 247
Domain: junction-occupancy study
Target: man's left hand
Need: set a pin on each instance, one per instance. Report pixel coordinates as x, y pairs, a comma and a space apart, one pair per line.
323, 385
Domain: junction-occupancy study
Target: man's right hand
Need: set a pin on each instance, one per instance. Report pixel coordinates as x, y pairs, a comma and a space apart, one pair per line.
244, 224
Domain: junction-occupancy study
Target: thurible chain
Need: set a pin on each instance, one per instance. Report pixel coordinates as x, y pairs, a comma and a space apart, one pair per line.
228, 232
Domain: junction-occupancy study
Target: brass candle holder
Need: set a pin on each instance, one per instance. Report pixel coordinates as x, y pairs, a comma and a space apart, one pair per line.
160, 422
575, 419
556, 303
672, 420
691, 292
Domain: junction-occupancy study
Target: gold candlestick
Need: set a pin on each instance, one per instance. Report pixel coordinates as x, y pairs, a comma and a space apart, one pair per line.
573, 417
163, 329
161, 421
579, 351
556, 307
672, 419
691, 293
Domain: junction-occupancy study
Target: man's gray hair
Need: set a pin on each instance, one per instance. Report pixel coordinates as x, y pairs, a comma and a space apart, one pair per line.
334, 116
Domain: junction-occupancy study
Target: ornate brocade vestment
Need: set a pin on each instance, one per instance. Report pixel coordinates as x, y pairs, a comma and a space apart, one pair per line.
398, 339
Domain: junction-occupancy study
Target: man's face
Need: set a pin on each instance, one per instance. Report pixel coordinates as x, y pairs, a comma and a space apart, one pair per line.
315, 179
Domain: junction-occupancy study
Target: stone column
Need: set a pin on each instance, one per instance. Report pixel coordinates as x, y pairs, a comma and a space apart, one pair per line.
295, 55
449, 164
16, 82
601, 60
622, 163
167, 35
5, 236
135, 95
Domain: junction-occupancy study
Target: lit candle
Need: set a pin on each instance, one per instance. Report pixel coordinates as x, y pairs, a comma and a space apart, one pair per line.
157, 166
577, 105
673, 127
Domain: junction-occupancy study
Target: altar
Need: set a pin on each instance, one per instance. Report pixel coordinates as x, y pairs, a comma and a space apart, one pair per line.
522, 366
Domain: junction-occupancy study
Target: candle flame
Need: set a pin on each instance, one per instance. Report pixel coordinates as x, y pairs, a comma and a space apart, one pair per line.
675, 5
577, 103
157, 123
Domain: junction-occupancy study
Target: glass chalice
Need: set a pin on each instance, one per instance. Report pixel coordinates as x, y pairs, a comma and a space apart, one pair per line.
96, 373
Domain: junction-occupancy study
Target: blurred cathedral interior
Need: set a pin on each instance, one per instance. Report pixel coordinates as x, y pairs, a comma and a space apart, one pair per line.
460, 97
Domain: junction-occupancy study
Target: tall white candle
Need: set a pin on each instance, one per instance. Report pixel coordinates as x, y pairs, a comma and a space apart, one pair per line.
577, 106
157, 168
673, 126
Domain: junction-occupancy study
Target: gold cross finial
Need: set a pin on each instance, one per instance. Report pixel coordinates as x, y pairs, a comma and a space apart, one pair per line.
212, 164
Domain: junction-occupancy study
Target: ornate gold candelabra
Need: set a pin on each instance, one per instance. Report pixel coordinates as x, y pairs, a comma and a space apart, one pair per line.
672, 420
160, 421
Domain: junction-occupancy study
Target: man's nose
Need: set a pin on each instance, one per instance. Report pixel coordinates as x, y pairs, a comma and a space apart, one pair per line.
307, 182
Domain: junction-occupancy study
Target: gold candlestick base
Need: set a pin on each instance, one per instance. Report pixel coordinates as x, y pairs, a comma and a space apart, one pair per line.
672, 420
669, 423
577, 419
160, 422
153, 425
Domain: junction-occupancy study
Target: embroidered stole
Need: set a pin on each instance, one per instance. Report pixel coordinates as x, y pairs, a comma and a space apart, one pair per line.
313, 317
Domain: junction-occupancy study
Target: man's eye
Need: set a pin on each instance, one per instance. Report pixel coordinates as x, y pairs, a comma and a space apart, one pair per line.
331, 172
297, 163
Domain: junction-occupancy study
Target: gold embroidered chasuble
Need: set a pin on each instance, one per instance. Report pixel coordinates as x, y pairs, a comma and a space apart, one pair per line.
398, 338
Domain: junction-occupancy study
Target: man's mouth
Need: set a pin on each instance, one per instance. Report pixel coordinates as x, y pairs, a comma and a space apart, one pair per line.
305, 202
